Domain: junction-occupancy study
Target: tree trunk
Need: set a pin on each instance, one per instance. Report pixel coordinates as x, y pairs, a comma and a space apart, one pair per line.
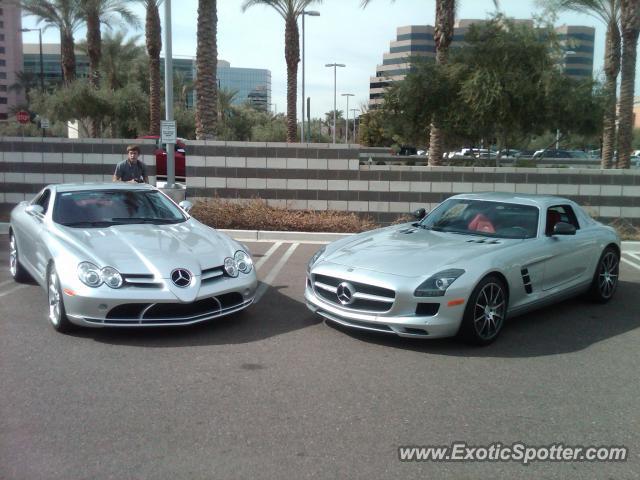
611, 70
292, 56
630, 30
445, 15
68, 55
94, 41
154, 44
206, 71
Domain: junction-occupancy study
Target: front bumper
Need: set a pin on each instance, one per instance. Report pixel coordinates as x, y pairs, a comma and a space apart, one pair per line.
445, 323
140, 307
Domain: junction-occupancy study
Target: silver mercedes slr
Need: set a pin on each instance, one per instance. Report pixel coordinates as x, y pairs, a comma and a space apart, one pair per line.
465, 267
126, 255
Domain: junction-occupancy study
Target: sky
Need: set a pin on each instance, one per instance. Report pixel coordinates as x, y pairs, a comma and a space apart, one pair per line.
343, 33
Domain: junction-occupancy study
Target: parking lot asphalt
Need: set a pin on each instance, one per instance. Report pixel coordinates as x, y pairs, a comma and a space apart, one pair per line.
275, 393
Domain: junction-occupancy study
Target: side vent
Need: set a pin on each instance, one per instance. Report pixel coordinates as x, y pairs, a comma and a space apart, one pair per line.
526, 280
408, 231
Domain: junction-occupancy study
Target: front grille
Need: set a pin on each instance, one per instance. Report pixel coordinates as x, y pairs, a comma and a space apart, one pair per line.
140, 280
369, 298
174, 312
212, 274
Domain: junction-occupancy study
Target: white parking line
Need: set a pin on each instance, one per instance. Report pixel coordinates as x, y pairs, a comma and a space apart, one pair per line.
630, 263
634, 255
268, 253
274, 272
11, 290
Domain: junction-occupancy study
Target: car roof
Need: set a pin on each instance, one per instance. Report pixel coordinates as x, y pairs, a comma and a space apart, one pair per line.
541, 201
76, 187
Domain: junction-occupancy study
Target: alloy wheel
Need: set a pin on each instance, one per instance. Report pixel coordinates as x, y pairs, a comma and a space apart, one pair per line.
55, 299
608, 274
489, 311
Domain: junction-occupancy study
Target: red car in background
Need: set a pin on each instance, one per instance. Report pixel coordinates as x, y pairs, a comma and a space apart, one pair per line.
161, 159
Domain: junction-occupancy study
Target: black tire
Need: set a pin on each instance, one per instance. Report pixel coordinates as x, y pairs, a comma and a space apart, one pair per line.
57, 314
605, 278
486, 312
18, 272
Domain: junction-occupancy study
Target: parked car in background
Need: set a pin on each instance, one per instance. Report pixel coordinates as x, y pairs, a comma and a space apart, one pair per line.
552, 153
125, 255
464, 268
161, 159
509, 153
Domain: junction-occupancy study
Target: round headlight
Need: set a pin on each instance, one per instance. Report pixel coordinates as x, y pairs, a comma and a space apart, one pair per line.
89, 274
231, 267
111, 277
243, 261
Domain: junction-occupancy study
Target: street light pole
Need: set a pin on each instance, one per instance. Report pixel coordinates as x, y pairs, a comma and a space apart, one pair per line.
168, 92
346, 131
354, 110
311, 13
335, 92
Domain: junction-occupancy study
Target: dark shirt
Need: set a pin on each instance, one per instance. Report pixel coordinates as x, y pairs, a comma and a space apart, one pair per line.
126, 171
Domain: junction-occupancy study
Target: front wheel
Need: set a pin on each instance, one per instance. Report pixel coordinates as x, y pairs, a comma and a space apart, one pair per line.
57, 313
486, 312
18, 272
605, 279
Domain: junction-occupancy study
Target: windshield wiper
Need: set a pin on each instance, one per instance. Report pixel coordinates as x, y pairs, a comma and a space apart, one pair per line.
94, 224
155, 221
433, 228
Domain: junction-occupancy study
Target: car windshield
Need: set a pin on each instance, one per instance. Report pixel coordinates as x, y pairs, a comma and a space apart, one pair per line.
104, 208
486, 218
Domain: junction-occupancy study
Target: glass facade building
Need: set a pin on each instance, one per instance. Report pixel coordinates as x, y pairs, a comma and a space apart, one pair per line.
253, 85
577, 42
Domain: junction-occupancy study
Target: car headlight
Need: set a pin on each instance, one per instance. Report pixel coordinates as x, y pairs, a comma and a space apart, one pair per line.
89, 274
111, 277
436, 285
315, 258
231, 267
243, 261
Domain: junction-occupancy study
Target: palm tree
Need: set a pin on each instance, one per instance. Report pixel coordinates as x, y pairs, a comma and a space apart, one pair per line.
445, 17
65, 15
608, 11
25, 81
630, 26
153, 40
226, 98
119, 58
94, 13
182, 87
290, 10
207, 70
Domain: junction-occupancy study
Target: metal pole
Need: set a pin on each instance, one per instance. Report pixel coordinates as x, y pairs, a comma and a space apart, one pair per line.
335, 69
302, 125
354, 110
41, 69
168, 92
346, 130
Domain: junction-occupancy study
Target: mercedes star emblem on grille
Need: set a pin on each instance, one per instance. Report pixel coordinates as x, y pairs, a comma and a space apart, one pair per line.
181, 277
345, 293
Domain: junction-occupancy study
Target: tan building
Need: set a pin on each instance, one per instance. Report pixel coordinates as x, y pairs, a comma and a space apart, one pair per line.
418, 41
10, 57
636, 112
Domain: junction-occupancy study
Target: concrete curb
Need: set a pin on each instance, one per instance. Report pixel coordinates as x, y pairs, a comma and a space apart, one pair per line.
312, 237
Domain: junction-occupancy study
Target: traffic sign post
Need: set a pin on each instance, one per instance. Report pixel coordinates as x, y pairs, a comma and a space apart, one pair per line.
168, 131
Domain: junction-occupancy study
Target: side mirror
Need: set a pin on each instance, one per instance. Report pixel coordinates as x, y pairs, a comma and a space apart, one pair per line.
34, 210
564, 228
420, 213
186, 205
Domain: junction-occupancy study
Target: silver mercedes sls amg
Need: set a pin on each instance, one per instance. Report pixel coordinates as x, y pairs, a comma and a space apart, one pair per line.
126, 255
465, 267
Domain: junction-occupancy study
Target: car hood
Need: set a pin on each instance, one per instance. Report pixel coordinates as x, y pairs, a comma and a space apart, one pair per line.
412, 252
146, 248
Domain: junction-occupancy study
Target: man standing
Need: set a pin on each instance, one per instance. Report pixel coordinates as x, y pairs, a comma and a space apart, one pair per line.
132, 169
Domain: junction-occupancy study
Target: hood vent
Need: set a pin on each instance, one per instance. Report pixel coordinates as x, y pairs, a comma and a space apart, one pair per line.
408, 231
485, 240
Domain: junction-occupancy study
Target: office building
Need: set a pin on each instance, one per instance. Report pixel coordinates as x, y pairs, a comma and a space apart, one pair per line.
10, 58
418, 41
253, 85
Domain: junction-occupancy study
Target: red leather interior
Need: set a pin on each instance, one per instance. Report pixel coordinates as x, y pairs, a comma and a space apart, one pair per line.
481, 223
553, 217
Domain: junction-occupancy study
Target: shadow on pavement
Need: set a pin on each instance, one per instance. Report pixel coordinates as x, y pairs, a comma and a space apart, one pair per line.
566, 327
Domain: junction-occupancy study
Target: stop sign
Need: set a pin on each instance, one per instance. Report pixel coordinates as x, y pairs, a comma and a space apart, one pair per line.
23, 116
